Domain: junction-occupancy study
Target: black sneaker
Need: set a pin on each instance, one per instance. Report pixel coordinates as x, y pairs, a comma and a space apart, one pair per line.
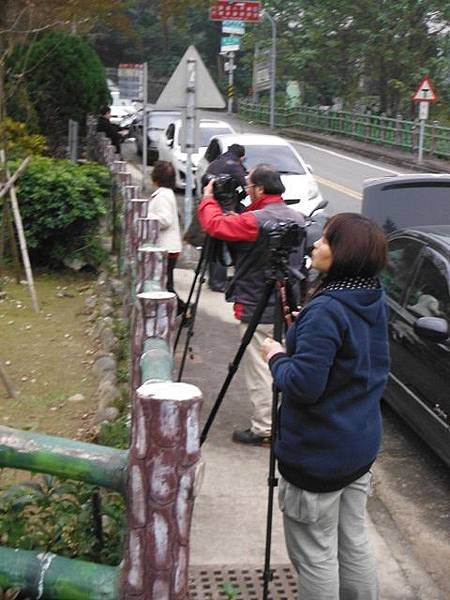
248, 437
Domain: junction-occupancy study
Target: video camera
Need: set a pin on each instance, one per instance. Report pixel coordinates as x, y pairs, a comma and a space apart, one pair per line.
225, 190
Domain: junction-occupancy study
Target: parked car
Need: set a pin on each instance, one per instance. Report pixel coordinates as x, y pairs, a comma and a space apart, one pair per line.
417, 284
171, 142
157, 122
123, 112
302, 192
415, 213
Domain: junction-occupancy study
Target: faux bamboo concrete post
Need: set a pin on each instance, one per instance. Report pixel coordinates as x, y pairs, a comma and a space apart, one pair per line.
129, 192
153, 317
135, 208
151, 268
164, 478
147, 231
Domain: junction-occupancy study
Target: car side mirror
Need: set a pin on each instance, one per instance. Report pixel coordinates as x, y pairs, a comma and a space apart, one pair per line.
170, 142
433, 329
322, 204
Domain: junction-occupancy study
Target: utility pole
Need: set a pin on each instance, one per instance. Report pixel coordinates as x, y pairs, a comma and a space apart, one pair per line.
144, 125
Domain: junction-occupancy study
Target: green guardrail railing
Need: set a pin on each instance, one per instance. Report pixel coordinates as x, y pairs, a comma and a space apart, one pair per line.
375, 129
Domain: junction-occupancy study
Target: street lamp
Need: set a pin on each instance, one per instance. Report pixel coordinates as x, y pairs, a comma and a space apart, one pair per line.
273, 67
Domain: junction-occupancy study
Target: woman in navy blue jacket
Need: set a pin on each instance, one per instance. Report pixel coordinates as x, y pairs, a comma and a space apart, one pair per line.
332, 375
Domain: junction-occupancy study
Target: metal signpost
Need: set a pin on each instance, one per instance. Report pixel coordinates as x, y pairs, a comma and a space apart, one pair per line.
228, 46
190, 128
423, 95
233, 15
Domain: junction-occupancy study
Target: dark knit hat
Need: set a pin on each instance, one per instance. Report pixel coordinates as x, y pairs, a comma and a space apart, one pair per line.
237, 150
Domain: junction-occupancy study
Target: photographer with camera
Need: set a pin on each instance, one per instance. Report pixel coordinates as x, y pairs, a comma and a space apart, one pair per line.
332, 375
247, 238
228, 163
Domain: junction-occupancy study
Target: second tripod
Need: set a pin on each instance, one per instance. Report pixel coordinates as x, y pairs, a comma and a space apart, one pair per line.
209, 250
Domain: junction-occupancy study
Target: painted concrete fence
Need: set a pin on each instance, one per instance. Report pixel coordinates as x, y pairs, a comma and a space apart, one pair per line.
160, 474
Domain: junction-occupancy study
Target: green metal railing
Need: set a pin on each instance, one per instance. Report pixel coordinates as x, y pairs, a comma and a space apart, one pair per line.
375, 129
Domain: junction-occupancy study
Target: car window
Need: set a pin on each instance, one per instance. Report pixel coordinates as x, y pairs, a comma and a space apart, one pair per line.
205, 134
401, 260
281, 157
213, 151
429, 293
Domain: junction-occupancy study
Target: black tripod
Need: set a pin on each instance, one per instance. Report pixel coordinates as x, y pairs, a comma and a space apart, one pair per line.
276, 280
199, 280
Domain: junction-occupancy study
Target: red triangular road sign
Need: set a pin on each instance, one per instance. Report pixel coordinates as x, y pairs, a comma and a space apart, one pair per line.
425, 92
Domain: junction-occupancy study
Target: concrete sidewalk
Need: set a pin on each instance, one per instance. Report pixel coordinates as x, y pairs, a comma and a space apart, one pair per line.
230, 513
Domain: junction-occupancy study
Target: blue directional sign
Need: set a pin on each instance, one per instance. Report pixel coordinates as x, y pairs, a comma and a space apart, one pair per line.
233, 27
230, 43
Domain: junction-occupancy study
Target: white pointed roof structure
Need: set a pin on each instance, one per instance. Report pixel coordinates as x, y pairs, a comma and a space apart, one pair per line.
174, 94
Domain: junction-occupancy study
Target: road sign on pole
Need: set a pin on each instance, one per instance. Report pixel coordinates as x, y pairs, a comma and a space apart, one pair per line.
242, 11
230, 43
174, 94
424, 95
425, 92
233, 27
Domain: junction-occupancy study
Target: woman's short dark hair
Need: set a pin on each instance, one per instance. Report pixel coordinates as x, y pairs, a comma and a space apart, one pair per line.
268, 178
104, 110
163, 174
358, 246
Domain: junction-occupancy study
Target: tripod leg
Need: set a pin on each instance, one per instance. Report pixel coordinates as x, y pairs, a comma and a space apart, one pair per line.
198, 270
190, 331
235, 364
272, 480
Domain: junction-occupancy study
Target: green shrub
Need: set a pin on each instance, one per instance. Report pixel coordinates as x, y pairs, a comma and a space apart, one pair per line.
18, 142
64, 80
56, 515
61, 205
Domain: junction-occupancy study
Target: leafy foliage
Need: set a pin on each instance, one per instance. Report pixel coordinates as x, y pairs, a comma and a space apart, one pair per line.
64, 80
61, 205
18, 142
55, 515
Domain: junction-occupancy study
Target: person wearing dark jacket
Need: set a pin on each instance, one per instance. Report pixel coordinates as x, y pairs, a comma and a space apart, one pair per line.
111, 130
332, 375
248, 245
228, 163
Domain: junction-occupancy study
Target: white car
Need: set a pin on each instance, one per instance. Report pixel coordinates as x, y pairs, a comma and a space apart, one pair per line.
170, 145
302, 192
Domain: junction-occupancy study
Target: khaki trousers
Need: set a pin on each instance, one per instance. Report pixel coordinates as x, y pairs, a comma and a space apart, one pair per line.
258, 379
327, 541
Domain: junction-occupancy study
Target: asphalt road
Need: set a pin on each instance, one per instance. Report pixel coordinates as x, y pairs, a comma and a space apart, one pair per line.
411, 503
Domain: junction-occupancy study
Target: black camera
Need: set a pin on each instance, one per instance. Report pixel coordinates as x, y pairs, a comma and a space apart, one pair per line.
283, 235
225, 190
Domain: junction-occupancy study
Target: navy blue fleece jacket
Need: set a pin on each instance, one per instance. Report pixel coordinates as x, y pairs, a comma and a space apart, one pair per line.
332, 379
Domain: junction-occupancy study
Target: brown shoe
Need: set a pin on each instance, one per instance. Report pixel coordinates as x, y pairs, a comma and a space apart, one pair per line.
248, 437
